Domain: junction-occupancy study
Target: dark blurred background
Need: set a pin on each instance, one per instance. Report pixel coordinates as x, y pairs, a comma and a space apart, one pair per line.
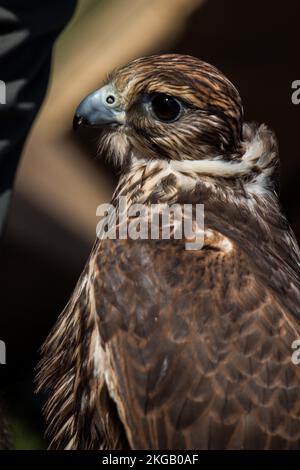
60, 182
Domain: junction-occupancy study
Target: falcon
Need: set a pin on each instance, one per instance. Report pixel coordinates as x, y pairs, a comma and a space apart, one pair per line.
161, 347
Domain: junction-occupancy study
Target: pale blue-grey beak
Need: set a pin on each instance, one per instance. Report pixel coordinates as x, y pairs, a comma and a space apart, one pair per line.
100, 108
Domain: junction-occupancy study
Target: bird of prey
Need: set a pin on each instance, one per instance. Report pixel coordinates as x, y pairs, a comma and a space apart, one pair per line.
161, 347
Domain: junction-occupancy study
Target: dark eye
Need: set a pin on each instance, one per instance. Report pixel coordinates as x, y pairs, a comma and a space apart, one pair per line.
166, 108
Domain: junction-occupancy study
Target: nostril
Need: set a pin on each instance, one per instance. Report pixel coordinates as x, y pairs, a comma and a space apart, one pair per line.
110, 99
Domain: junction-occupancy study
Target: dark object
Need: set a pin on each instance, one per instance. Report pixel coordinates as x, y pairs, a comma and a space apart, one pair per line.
27, 33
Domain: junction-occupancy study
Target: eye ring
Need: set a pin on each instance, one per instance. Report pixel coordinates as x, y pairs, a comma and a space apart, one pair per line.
166, 108
110, 99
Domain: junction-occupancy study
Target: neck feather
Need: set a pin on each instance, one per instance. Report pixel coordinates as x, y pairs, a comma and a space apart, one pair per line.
253, 174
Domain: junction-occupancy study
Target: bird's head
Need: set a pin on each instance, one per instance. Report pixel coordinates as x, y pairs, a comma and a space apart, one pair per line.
166, 106
184, 113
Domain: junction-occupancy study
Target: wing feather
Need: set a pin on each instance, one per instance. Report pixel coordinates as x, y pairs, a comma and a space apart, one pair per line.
199, 347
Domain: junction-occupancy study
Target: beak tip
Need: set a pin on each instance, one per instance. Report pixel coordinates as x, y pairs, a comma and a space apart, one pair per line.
77, 121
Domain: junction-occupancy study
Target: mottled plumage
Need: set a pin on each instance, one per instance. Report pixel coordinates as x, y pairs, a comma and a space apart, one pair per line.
165, 348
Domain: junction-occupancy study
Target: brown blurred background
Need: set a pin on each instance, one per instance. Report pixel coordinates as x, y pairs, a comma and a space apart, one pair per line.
60, 182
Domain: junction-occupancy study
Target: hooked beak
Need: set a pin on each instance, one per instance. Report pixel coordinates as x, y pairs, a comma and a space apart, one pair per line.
100, 108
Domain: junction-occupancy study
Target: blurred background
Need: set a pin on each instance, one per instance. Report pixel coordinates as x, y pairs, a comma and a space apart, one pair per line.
61, 182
